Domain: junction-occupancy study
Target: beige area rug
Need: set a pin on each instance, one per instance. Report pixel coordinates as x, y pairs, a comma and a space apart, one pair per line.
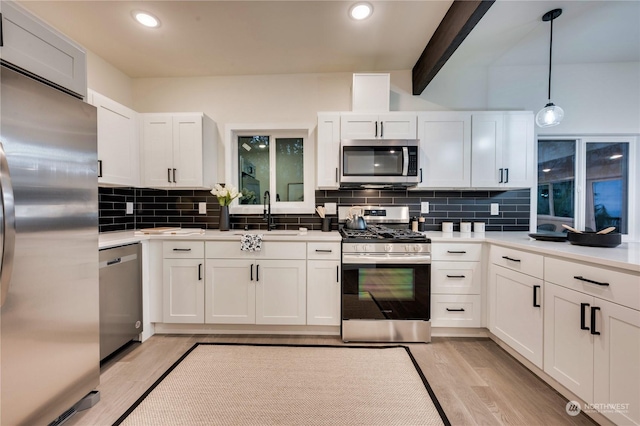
234, 384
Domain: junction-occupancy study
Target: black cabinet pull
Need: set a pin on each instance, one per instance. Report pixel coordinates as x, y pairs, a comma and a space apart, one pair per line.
169, 175
455, 310
323, 251
252, 272
583, 316
257, 272
1, 39
506, 173
455, 276
337, 178
581, 278
199, 271
535, 296
337, 273
382, 129
511, 259
376, 135
456, 252
501, 172
174, 175
99, 168
593, 321
420, 174
181, 249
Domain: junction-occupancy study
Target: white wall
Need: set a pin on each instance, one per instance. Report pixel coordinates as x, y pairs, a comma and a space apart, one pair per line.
109, 81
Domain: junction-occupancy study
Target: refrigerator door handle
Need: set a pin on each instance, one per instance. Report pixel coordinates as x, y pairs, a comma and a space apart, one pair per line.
7, 226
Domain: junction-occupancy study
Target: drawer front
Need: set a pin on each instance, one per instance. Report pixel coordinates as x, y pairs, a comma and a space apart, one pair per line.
616, 286
183, 249
456, 277
455, 310
323, 251
269, 250
456, 251
521, 261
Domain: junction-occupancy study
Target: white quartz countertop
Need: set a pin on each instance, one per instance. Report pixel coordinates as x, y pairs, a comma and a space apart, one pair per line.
625, 256
118, 238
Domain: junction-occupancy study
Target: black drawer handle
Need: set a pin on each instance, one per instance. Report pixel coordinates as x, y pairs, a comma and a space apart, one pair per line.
114, 261
455, 310
456, 252
578, 277
181, 249
456, 276
511, 259
536, 304
323, 251
583, 316
593, 321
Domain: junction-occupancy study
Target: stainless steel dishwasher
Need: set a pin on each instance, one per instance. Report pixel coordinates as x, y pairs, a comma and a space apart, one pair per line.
120, 297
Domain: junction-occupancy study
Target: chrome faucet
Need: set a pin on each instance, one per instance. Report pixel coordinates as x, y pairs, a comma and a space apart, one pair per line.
267, 211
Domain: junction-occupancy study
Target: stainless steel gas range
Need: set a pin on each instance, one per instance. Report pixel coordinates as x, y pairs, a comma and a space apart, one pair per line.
386, 278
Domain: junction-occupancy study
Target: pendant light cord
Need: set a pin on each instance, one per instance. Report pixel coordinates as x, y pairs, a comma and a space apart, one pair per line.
550, 51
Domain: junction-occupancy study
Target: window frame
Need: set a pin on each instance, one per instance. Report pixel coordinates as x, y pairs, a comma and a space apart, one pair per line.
274, 131
581, 141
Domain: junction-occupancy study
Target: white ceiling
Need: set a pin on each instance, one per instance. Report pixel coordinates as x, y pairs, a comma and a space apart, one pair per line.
280, 37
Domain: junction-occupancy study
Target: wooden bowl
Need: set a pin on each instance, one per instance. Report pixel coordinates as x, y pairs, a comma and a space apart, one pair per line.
592, 239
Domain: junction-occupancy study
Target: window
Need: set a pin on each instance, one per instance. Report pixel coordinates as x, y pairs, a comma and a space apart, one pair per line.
271, 159
588, 183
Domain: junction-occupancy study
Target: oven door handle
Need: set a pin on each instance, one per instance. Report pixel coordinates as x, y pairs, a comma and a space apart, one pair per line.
370, 259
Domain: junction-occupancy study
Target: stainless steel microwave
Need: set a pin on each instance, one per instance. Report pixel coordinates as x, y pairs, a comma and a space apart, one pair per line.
379, 162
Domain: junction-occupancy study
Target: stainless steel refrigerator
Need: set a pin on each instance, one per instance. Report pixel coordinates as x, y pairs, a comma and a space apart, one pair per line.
49, 341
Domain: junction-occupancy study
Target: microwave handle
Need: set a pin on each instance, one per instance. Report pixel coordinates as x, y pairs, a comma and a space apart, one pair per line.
405, 161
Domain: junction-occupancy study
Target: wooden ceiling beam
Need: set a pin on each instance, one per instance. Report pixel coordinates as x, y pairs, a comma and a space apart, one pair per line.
461, 18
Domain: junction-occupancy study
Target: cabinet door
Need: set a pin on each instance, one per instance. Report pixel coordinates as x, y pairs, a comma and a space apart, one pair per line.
187, 151
486, 154
157, 150
397, 126
445, 149
328, 151
281, 292
323, 292
568, 350
230, 292
34, 46
183, 291
118, 145
360, 126
518, 151
516, 311
616, 361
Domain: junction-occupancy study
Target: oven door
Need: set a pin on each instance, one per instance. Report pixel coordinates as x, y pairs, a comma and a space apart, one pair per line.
389, 289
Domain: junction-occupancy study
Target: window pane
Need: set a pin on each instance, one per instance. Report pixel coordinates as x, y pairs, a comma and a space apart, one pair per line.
289, 169
556, 184
607, 186
253, 168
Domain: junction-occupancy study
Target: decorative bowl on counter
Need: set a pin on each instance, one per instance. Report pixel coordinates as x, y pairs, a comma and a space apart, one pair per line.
592, 239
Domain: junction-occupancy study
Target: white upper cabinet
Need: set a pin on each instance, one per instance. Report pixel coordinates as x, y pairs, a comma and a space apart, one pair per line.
32, 45
328, 151
445, 149
118, 142
389, 125
502, 150
179, 151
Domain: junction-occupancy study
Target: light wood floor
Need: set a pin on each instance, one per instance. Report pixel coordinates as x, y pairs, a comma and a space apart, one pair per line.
476, 382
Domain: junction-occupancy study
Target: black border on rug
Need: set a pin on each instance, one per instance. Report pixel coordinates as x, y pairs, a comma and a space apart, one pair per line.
434, 399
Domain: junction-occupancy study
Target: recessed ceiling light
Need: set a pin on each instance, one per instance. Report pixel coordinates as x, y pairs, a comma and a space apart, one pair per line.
360, 11
146, 19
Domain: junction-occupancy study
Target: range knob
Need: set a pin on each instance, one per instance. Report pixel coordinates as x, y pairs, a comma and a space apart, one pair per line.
417, 247
388, 247
368, 247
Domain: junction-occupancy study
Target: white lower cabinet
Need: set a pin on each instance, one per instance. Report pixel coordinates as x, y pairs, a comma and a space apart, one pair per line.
323, 284
183, 282
266, 287
592, 347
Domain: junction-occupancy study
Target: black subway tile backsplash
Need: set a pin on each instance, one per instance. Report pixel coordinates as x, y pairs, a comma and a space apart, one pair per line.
155, 207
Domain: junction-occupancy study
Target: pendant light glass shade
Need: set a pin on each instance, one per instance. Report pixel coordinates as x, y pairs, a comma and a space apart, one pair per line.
549, 116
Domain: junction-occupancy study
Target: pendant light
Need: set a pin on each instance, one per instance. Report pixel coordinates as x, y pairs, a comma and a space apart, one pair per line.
550, 115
